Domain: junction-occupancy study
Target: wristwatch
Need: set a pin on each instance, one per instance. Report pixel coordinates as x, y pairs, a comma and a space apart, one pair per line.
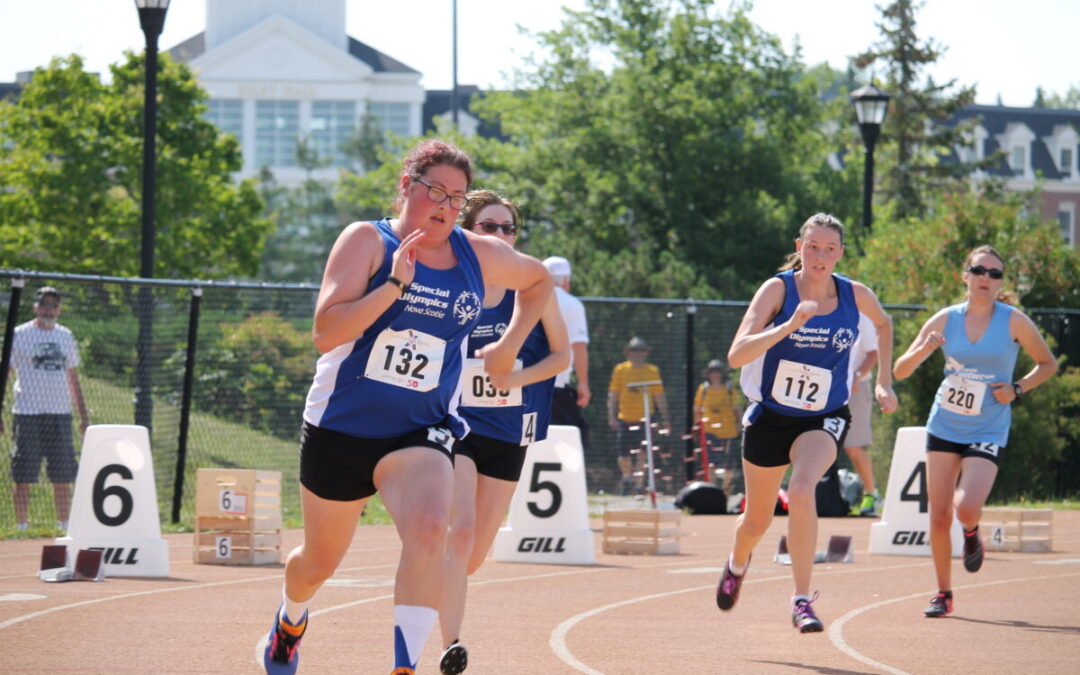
402, 286
1018, 390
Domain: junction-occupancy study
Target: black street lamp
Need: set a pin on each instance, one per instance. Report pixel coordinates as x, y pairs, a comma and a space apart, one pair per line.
871, 104
152, 20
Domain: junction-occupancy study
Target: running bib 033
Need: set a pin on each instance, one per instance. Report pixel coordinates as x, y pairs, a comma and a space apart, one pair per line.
801, 386
962, 396
409, 359
478, 392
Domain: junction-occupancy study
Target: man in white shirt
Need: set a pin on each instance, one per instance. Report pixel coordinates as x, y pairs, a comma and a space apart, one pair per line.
862, 361
44, 356
569, 401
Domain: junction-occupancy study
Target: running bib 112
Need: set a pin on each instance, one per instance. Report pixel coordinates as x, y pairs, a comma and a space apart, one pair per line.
801, 386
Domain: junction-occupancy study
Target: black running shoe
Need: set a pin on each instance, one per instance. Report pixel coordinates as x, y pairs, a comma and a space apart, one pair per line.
973, 550
803, 617
454, 659
940, 605
727, 591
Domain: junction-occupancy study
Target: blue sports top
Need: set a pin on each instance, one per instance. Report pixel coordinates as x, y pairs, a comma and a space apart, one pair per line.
516, 416
404, 372
965, 410
806, 373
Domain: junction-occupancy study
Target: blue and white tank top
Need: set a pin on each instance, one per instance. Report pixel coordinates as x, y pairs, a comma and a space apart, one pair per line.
404, 372
806, 373
520, 415
965, 410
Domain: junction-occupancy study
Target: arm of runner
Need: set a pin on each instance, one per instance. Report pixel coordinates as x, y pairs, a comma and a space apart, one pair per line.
752, 339
344, 309
1025, 332
559, 343
868, 304
930, 337
503, 266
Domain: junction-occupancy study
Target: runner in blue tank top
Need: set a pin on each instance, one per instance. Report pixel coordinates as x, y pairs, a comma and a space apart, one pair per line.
397, 302
969, 421
503, 422
793, 346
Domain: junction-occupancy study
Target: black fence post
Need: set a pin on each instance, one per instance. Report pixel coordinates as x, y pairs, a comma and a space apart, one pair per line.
691, 312
9, 335
185, 401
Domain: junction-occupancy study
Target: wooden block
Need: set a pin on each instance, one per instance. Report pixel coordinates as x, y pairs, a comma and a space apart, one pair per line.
1012, 529
237, 517
642, 531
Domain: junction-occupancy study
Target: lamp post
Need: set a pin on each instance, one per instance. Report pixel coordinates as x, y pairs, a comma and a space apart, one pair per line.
871, 104
152, 20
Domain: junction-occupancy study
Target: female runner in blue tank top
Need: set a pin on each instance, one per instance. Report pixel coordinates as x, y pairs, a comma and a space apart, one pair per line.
398, 300
503, 423
793, 346
969, 421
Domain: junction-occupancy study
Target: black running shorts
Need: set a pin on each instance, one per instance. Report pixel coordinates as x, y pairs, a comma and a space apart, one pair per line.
341, 467
493, 458
768, 439
990, 451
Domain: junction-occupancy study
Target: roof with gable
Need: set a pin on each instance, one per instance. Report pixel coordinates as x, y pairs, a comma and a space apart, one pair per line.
1042, 121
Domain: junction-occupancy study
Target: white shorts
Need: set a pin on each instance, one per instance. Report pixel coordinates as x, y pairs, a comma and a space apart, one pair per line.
861, 435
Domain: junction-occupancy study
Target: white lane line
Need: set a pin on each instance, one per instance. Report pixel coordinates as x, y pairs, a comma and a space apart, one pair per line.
836, 630
557, 642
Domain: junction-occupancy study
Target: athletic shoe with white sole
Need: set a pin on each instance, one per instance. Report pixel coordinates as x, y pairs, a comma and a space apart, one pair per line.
282, 656
803, 617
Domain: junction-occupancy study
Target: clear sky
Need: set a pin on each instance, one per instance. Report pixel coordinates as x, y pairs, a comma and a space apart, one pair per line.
1005, 47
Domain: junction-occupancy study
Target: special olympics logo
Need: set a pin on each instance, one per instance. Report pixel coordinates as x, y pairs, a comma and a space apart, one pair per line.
466, 307
500, 328
843, 339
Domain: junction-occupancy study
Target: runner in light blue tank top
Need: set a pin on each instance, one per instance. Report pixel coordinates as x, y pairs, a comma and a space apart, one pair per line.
504, 421
969, 421
963, 410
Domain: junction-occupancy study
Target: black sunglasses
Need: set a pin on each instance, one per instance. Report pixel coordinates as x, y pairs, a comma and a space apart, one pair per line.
492, 228
979, 270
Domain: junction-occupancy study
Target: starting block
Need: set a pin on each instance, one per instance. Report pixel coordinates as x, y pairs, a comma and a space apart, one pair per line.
54, 565
837, 551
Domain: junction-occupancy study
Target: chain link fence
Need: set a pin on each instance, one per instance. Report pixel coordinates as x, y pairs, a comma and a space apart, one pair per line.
229, 365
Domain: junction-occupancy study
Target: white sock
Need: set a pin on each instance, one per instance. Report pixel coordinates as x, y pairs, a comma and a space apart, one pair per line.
737, 571
796, 598
294, 611
415, 623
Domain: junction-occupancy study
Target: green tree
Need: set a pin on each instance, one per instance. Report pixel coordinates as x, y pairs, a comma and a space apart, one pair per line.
1070, 99
669, 150
910, 148
71, 163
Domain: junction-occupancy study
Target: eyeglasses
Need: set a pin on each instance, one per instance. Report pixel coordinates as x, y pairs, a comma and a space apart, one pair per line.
979, 270
492, 228
439, 195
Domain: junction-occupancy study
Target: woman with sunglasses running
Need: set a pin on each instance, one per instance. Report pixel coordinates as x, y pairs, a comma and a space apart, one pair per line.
398, 300
503, 422
969, 421
794, 346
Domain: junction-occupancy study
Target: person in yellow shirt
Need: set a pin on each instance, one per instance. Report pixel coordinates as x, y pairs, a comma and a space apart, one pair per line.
717, 407
626, 407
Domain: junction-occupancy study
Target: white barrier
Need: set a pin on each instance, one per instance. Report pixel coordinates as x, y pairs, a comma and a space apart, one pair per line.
904, 528
115, 505
549, 514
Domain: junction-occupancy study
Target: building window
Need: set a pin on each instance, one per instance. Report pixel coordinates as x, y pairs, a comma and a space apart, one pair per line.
1066, 216
226, 114
1066, 164
277, 130
332, 123
391, 117
1018, 159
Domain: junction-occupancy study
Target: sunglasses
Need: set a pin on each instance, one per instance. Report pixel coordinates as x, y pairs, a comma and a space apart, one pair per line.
979, 270
492, 228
